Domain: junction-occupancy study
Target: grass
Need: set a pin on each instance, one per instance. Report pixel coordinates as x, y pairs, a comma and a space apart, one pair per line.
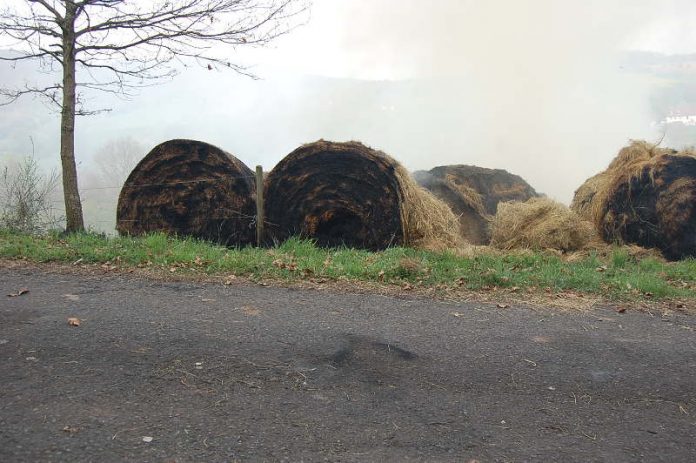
618, 276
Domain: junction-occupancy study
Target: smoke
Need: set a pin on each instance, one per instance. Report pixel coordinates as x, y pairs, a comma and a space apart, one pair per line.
531, 86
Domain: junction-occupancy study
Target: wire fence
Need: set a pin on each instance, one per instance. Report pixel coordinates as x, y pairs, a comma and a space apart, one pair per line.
180, 182
145, 223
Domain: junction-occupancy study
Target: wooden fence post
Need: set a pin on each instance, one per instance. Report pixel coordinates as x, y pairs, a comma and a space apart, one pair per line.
259, 206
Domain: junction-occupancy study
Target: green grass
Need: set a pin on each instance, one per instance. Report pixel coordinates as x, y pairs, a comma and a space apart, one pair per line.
618, 276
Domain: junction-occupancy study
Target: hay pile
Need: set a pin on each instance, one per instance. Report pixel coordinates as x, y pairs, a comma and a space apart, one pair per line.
349, 194
647, 196
473, 194
539, 223
189, 188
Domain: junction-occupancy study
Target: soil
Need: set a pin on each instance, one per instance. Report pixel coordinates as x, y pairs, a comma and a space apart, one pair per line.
162, 371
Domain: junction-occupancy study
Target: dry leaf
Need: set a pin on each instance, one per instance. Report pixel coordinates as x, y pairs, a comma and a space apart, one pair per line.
74, 321
457, 314
603, 268
70, 429
621, 310
502, 306
21, 292
251, 311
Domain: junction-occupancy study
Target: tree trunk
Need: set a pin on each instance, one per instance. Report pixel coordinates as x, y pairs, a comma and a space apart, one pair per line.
73, 205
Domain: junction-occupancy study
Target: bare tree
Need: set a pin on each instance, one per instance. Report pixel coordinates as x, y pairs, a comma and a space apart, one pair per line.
118, 45
116, 159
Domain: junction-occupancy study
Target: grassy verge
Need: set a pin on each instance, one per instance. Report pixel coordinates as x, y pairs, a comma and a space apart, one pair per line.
617, 276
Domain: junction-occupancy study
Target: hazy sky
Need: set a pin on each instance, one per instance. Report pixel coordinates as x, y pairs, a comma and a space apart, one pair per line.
531, 86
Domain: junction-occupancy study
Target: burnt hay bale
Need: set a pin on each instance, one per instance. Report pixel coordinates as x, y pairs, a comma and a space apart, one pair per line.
473, 194
189, 188
647, 196
349, 194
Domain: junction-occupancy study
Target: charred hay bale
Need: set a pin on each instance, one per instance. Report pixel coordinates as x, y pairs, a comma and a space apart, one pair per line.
189, 188
493, 185
473, 193
349, 194
539, 223
647, 196
465, 202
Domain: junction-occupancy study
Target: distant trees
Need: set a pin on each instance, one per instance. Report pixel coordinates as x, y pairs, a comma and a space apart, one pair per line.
116, 45
116, 159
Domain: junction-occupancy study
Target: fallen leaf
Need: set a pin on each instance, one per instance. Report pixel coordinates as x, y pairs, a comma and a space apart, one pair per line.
407, 287
456, 314
230, 279
603, 268
621, 310
74, 321
681, 306
172, 269
147, 439
251, 311
21, 292
70, 429
502, 306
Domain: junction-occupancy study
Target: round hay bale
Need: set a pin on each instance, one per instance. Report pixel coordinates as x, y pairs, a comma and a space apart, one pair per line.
473, 194
647, 196
493, 185
539, 223
349, 194
584, 197
465, 202
189, 188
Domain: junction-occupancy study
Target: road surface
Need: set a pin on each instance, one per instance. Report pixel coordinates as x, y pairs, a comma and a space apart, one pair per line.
181, 372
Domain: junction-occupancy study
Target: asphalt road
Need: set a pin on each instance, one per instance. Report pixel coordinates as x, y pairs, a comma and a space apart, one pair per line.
179, 372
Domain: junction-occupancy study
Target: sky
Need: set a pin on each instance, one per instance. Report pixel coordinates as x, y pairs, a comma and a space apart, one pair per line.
535, 87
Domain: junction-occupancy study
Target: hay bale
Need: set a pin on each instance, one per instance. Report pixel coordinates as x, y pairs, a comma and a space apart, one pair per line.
349, 194
584, 197
539, 223
647, 196
465, 203
473, 194
493, 185
189, 188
